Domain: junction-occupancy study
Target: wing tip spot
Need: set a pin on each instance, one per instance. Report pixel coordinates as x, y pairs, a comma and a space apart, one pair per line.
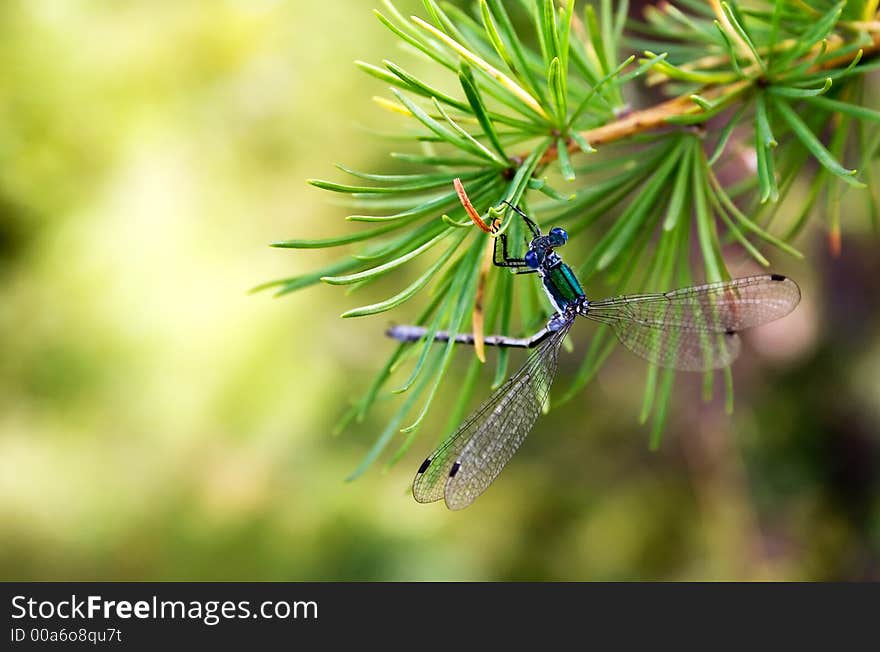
777, 277
454, 469
424, 466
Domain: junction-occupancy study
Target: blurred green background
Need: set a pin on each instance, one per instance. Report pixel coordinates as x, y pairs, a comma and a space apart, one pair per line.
158, 422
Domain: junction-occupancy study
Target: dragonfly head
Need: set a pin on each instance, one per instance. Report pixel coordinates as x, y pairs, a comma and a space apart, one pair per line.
557, 237
542, 245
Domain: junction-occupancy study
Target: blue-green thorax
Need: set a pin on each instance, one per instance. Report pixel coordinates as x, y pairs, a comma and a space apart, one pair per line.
560, 283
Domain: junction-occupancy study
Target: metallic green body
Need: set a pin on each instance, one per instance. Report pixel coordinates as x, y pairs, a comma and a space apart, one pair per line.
562, 286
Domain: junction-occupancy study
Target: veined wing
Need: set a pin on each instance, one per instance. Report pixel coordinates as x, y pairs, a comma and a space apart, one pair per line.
715, 307
695, 328
465, 464
679, 349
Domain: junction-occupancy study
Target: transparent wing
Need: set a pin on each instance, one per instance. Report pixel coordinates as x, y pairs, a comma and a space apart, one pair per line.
679, 349
695, 328
467, 462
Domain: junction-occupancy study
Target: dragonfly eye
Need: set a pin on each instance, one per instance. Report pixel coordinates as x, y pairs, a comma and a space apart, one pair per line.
558, 237
534, 258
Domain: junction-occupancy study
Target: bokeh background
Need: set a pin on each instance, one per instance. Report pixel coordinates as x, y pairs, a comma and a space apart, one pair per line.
159, 422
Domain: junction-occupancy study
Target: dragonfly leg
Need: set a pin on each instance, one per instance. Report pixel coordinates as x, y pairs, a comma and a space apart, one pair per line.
502, 259
415, 333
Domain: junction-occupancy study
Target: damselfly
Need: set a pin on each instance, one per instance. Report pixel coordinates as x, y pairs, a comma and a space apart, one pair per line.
691, 329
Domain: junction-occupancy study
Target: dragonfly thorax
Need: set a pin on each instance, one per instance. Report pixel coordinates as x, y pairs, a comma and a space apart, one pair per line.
560, 283
562, 287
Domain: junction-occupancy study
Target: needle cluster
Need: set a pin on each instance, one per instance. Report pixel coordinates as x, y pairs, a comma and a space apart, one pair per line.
549, 113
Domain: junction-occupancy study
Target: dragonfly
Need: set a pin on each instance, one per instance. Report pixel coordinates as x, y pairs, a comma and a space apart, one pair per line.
690, 329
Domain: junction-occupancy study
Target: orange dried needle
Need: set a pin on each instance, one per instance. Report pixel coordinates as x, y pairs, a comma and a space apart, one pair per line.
469, 207
477, 319
477, 316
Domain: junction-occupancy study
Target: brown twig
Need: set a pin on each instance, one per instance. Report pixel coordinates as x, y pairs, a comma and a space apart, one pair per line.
658, 116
